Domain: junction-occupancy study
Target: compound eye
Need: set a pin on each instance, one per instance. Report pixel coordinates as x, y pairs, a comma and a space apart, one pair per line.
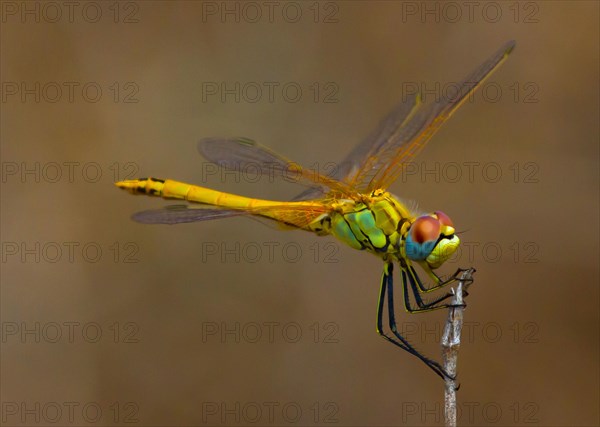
425, 229
444, 219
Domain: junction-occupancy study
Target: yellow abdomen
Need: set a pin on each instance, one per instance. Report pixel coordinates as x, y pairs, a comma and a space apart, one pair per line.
296, 214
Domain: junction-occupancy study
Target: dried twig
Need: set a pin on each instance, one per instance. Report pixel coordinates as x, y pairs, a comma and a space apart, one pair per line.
451, 344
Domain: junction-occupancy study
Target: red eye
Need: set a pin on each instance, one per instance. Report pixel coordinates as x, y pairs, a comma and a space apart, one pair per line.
425, 229
444, 219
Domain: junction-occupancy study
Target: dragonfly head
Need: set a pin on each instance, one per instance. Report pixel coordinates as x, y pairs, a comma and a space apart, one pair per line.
432, 239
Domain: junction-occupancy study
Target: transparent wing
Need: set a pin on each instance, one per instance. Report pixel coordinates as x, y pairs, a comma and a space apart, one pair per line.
370, 146
246, 155
293, 215
384, 165
178, 214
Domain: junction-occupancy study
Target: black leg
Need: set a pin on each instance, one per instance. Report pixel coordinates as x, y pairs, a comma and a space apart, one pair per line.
439, 282
399, 340
413, 279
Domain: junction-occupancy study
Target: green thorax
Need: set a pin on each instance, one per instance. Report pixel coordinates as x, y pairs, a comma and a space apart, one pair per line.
377, 223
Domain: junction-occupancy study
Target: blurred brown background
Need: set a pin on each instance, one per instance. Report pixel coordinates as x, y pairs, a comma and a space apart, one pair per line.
161, 297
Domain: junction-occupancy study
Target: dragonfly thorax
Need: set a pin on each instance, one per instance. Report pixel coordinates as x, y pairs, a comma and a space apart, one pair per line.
382, 225
377, 223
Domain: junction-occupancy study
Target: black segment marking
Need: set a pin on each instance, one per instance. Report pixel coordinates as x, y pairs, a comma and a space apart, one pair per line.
362, 244
358, 239
401, 223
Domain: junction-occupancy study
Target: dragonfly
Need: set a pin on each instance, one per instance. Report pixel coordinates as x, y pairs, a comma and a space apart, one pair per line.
352, 203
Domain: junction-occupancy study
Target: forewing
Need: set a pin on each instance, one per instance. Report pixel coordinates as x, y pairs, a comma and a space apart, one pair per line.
373, 143
369, 147
385, 165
